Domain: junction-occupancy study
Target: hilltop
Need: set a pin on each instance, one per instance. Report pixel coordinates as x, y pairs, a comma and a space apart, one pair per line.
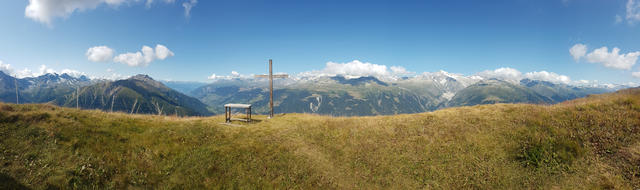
587, 143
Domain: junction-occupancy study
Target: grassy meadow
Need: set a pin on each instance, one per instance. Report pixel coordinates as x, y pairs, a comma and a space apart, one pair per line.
587, 143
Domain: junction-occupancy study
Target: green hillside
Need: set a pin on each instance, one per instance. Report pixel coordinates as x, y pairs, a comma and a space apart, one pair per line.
138, 94
586, 143
496, 91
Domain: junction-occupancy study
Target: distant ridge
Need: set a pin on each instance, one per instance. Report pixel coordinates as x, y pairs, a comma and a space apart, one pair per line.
327, 95
47, 88
138, 94
359, 96
493, 91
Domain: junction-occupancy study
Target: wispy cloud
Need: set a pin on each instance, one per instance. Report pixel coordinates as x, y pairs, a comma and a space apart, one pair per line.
188, 5
633, 11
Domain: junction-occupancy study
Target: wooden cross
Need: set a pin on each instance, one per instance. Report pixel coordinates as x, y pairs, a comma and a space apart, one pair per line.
271, 76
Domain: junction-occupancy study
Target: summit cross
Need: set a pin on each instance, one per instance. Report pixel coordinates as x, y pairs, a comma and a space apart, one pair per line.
271, 76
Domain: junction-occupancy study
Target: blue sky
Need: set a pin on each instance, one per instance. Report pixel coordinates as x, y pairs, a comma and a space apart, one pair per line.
221, 36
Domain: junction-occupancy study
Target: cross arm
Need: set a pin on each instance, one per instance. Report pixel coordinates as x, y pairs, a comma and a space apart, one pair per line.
274, 76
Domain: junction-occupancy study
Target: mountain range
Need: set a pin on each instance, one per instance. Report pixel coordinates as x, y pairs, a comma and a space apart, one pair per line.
357, 96
325, 95
47, 88
137, 94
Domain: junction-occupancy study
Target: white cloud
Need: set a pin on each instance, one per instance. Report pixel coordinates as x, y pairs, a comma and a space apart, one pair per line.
131, 59
73, 73
213, 76
99, 54
548, 76
578, 51
582, 81
5, 68
397, 70
44, 70
636, 74
162, 52
355, 68
514, 76
188, 6
148, 3
145, 57
45, 11
504, 73
358, 68
148, 54
633, 11
25, 73
613, 59
234, 74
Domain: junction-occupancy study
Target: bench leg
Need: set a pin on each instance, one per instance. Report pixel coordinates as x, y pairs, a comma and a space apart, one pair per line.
227, 118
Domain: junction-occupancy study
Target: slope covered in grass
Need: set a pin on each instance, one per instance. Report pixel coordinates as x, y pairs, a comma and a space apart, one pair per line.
586, 143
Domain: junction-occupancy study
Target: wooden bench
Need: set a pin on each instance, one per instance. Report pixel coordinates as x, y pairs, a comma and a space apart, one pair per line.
227, 112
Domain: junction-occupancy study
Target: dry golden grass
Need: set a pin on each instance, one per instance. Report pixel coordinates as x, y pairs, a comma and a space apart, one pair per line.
581, 144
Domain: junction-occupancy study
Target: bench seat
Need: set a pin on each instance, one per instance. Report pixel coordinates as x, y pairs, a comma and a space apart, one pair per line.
238, 105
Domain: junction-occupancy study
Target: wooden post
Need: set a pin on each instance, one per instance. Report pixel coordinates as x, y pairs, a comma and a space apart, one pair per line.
271, 76
226, 114
271, 88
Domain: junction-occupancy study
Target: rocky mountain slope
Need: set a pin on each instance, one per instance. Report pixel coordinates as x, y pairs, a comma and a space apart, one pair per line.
138, 94
357, 96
